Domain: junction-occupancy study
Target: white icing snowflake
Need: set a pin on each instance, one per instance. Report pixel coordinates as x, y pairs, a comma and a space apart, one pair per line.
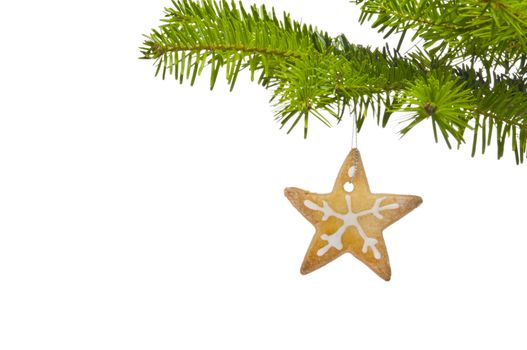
349, 219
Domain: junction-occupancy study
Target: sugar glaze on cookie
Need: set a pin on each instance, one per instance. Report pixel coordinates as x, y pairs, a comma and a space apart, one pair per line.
350, 219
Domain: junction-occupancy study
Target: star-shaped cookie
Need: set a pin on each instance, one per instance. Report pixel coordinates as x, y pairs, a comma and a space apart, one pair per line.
350, 219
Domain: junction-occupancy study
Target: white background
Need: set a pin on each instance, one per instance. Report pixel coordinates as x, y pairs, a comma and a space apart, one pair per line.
136, 213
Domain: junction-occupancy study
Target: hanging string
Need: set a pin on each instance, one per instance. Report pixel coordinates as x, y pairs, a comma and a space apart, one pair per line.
353, 128
349, 186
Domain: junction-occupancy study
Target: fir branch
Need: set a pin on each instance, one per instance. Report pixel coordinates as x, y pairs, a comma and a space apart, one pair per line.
314, 75
494, 31
443, 100
206, 33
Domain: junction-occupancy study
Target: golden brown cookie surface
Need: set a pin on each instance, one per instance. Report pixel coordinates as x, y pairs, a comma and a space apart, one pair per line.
350, 220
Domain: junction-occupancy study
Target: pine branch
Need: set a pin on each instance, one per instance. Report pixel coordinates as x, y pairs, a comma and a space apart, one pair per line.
494, 31
501, 108
206, 33
312, 74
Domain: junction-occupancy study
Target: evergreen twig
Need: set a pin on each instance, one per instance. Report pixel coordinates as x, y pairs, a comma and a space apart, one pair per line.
314, 75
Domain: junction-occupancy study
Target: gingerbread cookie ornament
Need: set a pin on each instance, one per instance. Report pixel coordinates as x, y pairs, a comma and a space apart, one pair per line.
350, 219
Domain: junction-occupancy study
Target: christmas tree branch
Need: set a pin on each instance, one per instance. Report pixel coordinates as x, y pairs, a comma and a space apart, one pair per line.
312, 74
494, 31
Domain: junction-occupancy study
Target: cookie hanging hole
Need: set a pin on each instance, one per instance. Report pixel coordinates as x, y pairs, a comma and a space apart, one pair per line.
349, 187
